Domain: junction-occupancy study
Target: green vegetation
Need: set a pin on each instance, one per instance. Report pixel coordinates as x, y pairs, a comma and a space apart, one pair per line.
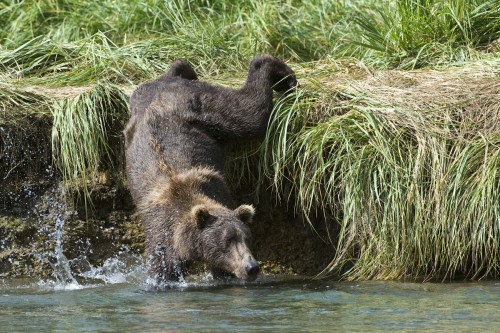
394, 134
412, 33
80, 130
414, 182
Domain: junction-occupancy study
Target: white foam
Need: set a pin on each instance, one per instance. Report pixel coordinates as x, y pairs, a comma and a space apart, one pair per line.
124, 268
61, 286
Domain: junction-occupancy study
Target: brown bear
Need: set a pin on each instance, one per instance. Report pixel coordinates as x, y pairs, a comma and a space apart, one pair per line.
175, 159
144, 94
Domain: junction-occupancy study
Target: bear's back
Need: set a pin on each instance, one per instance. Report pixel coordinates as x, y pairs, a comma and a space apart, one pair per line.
162, 111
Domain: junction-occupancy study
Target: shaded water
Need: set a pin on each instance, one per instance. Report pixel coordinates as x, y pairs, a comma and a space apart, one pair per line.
123, 302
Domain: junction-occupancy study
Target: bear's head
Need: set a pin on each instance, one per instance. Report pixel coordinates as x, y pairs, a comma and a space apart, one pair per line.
221, 238
282, 77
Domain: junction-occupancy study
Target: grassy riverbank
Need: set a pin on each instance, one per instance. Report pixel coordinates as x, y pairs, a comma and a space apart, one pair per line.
393, 137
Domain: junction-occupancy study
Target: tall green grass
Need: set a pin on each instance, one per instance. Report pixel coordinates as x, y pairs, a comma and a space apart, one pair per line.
415, 192
85, 123
81, 129
416, 33
74, 42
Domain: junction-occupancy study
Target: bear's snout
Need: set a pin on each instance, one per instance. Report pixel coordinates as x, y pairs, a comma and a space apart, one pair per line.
252, 269
247, 268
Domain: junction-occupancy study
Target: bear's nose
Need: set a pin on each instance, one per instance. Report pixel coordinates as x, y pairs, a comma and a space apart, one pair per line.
252, 269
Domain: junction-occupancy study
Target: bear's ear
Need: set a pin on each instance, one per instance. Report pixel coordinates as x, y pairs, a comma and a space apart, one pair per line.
245, 213
201, 216
256, 64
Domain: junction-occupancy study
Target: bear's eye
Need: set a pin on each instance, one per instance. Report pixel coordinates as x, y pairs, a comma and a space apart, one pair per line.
229, 242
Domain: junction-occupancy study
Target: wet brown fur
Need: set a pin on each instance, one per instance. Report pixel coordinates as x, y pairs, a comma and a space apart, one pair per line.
174, 151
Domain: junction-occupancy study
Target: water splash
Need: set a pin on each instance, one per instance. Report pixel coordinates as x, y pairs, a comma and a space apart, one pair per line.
54, 207
61, 267
123, 268
78, 272
60, 264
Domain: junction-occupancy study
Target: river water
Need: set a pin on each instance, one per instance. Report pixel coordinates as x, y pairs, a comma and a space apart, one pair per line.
121, 300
